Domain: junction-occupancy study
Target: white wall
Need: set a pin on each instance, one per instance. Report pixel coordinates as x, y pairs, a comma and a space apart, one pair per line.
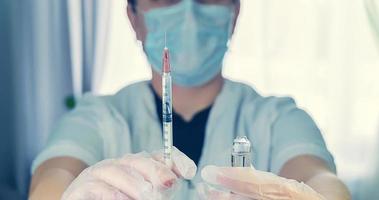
321, 52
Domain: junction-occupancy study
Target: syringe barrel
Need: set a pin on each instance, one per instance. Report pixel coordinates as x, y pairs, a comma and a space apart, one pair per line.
241, 152
167, 117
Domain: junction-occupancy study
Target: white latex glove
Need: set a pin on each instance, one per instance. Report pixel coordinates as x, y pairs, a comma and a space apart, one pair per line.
248, 183
135, 176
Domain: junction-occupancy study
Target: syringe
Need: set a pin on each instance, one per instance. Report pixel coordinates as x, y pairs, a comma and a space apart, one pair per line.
167, 107
241, 153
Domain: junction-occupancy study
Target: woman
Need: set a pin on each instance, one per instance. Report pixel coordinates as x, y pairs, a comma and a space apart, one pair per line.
209, 112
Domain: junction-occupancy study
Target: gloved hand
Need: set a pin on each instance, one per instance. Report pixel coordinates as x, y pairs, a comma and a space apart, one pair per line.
135, 176
248, 183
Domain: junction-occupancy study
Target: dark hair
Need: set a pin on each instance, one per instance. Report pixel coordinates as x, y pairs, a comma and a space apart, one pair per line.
133, 4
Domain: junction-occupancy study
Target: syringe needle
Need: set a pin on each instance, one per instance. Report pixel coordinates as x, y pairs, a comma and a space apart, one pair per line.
165, 39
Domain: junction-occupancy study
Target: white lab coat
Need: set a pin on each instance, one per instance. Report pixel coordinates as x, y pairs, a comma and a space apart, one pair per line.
127, 122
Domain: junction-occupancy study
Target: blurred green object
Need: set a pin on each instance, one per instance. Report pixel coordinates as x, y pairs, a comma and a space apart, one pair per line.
372, 7
70, 102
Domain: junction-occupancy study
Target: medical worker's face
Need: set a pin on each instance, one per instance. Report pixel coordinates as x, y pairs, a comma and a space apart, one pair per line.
196, 32
137, 18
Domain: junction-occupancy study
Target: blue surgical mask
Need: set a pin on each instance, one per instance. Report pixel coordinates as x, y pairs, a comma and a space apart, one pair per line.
197, 36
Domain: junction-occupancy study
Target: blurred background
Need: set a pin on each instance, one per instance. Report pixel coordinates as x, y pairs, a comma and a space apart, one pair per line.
323, 53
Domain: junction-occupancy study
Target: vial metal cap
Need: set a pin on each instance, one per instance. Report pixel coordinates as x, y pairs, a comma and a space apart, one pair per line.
241, 145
